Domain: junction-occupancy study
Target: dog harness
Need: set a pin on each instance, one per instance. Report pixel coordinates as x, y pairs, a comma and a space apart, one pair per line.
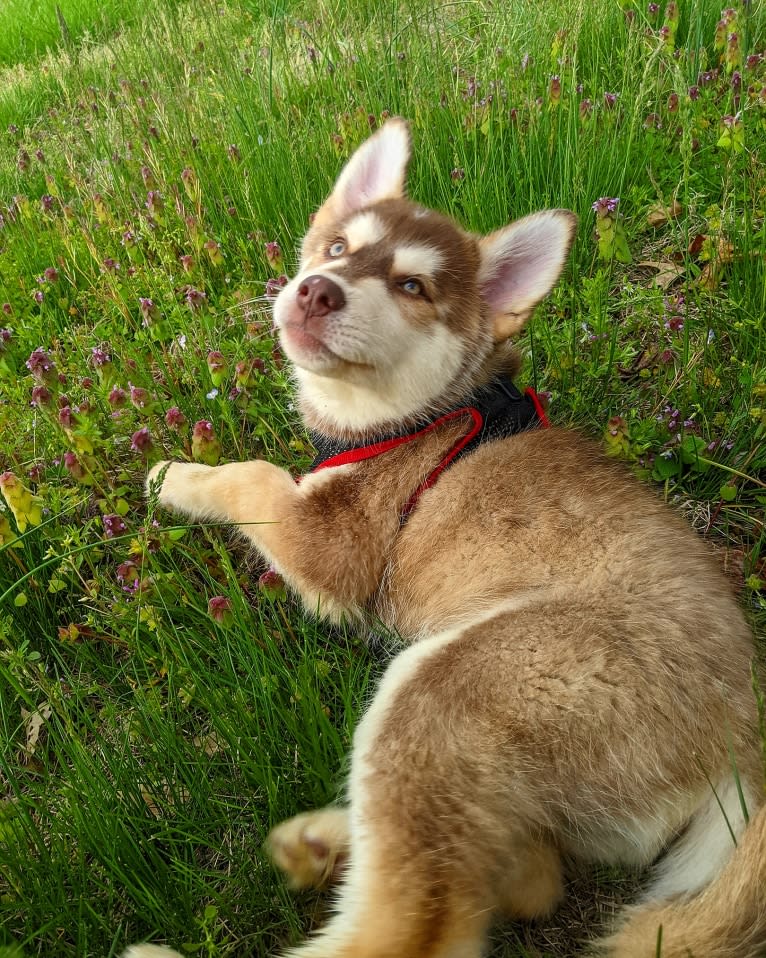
497, 411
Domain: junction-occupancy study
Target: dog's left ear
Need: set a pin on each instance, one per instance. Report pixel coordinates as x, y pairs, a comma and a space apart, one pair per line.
520, 265
376, 171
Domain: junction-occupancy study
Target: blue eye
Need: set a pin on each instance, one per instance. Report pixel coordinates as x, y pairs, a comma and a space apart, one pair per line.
412, 286
338, 248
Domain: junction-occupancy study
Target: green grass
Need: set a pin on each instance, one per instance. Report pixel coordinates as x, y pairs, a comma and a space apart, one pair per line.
145, 749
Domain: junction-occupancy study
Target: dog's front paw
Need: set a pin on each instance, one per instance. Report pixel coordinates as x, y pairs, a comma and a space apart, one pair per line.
183, 487
312, 849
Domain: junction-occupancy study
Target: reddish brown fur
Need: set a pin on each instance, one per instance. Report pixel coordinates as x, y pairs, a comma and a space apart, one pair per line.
578, 677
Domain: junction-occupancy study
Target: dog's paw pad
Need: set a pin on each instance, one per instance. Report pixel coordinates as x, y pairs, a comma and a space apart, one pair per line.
311, 848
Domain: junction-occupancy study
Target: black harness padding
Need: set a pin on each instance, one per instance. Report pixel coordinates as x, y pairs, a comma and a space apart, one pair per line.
498, 410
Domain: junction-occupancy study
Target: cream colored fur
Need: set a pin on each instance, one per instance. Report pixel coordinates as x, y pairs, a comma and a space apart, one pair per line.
577, 681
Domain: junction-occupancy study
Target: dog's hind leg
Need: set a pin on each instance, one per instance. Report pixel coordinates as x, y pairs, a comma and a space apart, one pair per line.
434, 852
312, 848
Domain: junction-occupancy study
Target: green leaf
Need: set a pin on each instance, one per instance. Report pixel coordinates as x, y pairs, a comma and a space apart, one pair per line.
665, 468
728, 492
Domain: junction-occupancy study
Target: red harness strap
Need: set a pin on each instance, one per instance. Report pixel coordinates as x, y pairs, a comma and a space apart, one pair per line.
538, 407
378, 448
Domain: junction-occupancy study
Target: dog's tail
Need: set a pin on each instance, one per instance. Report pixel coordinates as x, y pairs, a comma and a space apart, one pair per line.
726, 920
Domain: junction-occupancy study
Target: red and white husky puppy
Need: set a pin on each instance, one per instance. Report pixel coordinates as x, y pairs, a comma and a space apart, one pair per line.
576, 680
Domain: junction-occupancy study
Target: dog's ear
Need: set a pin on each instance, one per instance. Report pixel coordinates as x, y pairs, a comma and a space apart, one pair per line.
520, 264
376, 171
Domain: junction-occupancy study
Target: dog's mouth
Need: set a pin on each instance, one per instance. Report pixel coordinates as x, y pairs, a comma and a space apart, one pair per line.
305, 346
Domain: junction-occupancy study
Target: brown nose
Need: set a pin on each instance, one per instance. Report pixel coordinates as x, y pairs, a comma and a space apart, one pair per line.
318, 296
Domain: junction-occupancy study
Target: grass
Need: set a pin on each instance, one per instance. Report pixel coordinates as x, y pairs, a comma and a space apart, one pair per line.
151, 737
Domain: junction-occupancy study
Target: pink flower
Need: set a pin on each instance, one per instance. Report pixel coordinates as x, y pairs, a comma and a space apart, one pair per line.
274, 256
155, 203
174, 418
41, 366
117, 397
141, 440
74, 467
148, 309
605, 205
138, 396
41, 396
219, 608
205, 445
113, 524
195, 298
275, 285
272, 584
99, 357
66, 417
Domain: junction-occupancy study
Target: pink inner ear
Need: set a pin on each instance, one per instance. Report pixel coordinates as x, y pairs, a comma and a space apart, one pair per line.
368, 185
376, 171
523, 261
502, 290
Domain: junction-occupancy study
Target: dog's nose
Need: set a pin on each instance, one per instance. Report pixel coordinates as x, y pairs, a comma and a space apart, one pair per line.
318, 296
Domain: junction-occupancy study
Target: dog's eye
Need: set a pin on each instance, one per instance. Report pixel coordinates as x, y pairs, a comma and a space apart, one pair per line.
338, 248
411, 286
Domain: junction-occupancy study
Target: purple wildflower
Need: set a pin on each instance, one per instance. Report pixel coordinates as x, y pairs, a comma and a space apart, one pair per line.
141, 440
99, 357
605, 205
41, 395
274, 256
174, 418
219, 608
195, 298
41, 366
154, 202
138, 396
274, 286
114, 525
117, 397
149, 310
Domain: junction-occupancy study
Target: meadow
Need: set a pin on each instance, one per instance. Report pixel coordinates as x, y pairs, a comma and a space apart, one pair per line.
163, 703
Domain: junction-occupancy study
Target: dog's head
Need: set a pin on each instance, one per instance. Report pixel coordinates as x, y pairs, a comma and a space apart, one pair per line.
395, 309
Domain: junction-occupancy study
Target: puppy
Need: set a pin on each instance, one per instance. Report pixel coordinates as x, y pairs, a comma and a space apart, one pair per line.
577, 675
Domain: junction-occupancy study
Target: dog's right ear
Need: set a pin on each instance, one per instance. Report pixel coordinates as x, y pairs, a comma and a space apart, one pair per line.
376, 171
